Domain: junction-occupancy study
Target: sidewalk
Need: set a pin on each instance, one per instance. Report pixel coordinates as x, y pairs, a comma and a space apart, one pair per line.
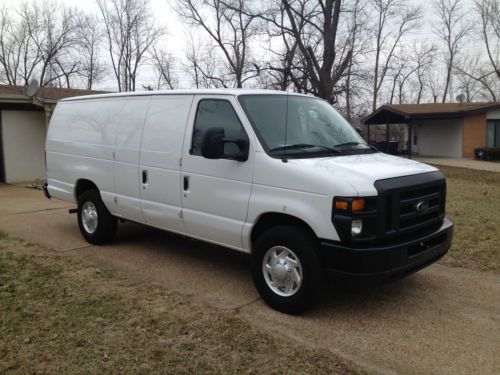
462, 163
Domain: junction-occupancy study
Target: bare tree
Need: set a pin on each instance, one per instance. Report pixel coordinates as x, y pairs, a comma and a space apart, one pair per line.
466, 84
34, 43
472, 71
90, 38
19, 55
408, 72
63, 71
205, 67
230, 26
163, 64
452, 29
130, 33
424, 55
57, 37
193, 62
395, 19
360, 47
489, 14
324, 63
278, 72
401, 70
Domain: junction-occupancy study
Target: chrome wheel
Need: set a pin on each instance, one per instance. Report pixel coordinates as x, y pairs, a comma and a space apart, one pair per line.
282, 271
89, 217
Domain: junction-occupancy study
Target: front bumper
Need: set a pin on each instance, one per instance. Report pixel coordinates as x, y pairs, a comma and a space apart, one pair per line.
387, 261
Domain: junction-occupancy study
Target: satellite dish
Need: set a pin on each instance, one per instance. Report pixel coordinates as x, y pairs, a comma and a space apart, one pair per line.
460, 98
32, 88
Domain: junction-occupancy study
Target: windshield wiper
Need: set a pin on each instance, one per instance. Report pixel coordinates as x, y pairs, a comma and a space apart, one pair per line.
355, 144
300, 146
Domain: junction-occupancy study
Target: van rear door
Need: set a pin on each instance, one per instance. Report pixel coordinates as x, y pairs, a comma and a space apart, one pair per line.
215, 193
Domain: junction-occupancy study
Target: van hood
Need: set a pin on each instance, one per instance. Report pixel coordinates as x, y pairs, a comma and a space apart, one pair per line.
361, 171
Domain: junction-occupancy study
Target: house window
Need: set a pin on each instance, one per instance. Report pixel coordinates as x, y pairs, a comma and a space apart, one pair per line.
493, 133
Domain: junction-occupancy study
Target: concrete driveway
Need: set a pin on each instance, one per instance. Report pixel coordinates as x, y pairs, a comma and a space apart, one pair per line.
441, 320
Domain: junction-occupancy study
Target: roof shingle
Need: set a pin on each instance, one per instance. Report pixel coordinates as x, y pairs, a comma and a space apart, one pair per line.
441, 107
47, 93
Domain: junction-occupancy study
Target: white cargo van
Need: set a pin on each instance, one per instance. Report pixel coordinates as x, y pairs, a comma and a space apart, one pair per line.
279, 175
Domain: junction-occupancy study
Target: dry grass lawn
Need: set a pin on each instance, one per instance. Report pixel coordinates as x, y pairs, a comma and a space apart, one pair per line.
473, 203
60, 316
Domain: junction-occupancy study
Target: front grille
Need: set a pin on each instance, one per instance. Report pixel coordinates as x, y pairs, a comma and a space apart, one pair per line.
410, 204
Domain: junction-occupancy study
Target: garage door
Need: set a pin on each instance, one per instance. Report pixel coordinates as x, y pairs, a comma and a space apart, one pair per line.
23, 145
441, 138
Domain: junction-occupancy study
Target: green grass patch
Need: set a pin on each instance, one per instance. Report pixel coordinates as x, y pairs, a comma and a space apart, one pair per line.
58, 315
473, 203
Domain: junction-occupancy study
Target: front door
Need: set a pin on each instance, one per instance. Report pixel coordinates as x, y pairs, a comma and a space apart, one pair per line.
215, 193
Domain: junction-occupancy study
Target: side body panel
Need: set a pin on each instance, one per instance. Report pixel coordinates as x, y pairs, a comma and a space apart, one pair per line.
80, 146
160, 157
309, 201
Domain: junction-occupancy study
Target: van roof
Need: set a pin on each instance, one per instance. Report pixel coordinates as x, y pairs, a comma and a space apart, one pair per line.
232, 92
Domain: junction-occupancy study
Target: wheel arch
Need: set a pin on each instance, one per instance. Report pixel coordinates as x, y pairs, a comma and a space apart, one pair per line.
269, 220
83, 185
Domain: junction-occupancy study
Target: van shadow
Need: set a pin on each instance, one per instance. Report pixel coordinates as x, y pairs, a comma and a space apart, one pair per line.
340, 296
172, 244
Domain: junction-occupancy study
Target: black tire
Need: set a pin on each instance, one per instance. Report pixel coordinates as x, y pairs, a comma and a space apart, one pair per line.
305, 246
106, 223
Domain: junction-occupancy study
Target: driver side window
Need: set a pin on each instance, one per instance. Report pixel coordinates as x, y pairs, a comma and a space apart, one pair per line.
216, 113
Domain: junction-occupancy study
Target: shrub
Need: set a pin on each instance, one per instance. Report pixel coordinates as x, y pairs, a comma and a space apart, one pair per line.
487, 153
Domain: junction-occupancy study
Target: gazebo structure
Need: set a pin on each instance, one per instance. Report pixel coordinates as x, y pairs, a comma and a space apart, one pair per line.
441, 129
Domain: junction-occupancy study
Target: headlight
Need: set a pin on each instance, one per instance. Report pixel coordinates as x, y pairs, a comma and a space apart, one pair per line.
356, 227
355, 218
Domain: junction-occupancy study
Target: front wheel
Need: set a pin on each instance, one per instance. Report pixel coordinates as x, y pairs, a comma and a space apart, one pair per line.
287, 270
96, 223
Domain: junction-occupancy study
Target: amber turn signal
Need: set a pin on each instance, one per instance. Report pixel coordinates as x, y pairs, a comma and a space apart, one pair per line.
341, 205
357, 205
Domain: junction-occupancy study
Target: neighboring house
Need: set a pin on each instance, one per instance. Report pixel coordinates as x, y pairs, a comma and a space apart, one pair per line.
451, 130
23, 126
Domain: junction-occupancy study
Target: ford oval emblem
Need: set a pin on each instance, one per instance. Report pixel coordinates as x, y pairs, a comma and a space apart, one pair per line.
421, 207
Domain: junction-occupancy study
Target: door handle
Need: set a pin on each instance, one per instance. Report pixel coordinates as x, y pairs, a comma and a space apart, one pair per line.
186, 183
144, 176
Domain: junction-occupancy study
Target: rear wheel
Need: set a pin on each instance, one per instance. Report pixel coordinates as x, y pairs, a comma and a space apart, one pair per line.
96, 223
287, 270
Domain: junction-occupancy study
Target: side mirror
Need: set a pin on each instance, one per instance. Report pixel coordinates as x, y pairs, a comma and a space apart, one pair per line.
213, 141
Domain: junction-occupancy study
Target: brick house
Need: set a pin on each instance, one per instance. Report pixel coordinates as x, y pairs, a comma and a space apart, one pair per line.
451, 130
23, 127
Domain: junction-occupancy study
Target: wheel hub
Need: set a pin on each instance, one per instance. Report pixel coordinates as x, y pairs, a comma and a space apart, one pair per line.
89, 217
279, 272
282, 271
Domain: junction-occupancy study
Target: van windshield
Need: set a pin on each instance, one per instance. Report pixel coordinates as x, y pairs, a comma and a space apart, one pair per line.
301, 127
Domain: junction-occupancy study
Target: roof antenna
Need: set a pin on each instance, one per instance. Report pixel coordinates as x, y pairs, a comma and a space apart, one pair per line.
460, 98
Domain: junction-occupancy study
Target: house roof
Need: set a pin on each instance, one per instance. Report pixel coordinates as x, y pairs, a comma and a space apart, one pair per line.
401, 113
43, 94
